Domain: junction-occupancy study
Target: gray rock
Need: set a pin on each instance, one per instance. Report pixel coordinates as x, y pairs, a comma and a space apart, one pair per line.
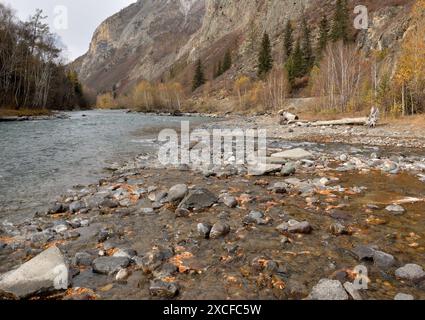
411, 272
352, 291
328, 290
46, 272
404, 297
60, 228
204, 230
122, 275
230, 201
338, 229
109, 203
56, 208
83, 259
220, 229
364, 253
198, 199
395, 209
76, 206
70, 235
257, 171
177, 193
255, 217
157, 196
147, 211
383, 260
153, 259
288, 169
181, 213
110, 265
301, 227
163, 289
126, 253
279, 187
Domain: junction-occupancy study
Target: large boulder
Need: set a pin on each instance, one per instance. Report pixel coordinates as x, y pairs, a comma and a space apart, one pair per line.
198, 199
46, 272
177, 193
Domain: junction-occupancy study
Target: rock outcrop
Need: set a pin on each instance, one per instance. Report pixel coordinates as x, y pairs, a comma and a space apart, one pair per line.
161, 39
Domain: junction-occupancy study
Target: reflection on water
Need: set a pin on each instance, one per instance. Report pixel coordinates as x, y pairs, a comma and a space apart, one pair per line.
41, 159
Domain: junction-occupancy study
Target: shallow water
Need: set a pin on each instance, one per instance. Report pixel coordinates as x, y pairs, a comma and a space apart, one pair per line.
39, 160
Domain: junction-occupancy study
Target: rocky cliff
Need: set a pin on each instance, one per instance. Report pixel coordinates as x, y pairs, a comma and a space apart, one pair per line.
155, 39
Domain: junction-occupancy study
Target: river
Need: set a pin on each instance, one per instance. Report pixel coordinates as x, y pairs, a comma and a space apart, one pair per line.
39, 160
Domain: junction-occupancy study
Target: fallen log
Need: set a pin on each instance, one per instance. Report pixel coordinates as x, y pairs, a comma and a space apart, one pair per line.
341, 122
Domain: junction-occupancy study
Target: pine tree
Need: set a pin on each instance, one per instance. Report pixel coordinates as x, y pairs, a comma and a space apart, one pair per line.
295, 64
265, 60
227, 62
323, 35
199, 78
307, 49
340, 22
288, 41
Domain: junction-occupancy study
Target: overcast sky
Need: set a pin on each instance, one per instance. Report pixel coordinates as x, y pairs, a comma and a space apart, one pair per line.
83, 18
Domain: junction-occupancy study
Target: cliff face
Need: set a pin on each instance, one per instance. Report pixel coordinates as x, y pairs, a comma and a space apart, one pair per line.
141, 41
152, 38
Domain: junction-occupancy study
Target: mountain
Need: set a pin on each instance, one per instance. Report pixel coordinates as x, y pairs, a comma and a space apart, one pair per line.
162, 39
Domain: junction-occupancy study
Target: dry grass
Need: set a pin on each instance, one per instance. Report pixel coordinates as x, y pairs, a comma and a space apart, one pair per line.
24, 112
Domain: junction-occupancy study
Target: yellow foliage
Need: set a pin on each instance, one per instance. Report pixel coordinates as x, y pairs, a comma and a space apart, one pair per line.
105, 101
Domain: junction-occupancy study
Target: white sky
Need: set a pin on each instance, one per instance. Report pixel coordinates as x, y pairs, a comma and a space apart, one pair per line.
83, 18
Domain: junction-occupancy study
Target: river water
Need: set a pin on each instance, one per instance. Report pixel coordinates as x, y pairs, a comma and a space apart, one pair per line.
39, 160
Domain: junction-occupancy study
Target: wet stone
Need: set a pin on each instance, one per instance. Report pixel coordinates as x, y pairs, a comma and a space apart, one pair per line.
411, 272
76, 206
395, 209
255, 217
404, 297
83, 259
302, 227
230, 201
69, 235
383, 260
110, 265
338, 229
364, 253
198, 199
288, 169
182, 213
204, 230
279, 188
328, 290
161, 289
126, 253
177, 193
109, 203
122, 275
220, 229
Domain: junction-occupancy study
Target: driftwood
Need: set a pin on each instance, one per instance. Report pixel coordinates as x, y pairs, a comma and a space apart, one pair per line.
341, 122
371, 121
287, 117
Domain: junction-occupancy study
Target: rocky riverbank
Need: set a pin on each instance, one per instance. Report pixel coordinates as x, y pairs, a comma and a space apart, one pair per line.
299, 231
33, 118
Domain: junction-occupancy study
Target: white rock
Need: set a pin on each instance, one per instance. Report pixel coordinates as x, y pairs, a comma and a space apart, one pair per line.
46, 272
122, 275
328, 290
294, 154
404, 297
